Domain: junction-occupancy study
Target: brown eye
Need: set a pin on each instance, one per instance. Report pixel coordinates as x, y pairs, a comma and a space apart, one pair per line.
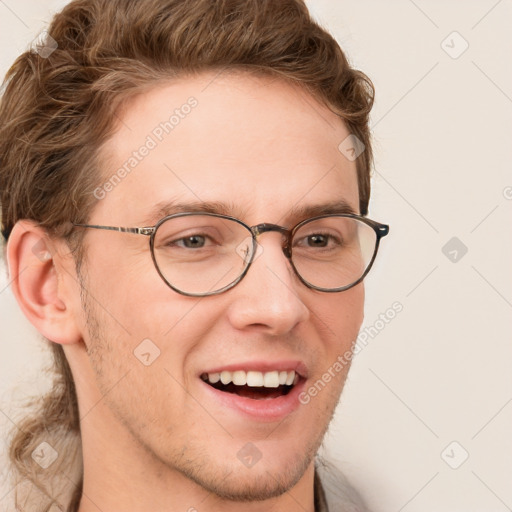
317, 241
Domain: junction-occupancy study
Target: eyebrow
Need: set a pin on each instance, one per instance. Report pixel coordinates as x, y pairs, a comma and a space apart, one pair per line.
296, 213
165, 208
339, 206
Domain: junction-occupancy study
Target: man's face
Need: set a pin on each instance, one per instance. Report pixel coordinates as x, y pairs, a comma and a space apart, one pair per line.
261, 150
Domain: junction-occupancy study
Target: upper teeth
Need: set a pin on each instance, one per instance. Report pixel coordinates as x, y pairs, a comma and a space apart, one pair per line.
251, 378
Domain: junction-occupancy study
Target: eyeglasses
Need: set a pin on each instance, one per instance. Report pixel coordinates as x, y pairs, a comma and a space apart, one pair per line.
200, 254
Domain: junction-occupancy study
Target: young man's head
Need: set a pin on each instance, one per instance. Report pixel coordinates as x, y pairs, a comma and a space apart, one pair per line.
184, 185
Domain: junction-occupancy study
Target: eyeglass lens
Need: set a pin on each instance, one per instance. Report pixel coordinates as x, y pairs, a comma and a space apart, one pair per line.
203, 254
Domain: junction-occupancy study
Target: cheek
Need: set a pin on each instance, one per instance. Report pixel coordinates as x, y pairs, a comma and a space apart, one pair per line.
134, 295
146, 326
338, 320
341, 316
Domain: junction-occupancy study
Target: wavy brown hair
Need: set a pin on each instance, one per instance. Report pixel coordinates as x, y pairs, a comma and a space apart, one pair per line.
58, 109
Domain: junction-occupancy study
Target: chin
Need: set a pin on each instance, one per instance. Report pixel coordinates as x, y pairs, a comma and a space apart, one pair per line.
271, 476
252, 484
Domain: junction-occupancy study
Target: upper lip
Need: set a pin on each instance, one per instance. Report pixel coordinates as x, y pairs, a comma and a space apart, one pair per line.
262, 366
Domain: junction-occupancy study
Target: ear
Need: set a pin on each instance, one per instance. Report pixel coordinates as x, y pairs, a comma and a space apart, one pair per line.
37, 274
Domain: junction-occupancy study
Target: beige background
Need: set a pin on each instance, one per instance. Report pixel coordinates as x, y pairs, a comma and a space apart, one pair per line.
439, 372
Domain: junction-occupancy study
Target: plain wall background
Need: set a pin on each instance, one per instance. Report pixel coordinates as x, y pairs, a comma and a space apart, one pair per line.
438, 372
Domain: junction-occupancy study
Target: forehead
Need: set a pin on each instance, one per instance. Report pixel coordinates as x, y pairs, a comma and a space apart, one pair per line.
259, 143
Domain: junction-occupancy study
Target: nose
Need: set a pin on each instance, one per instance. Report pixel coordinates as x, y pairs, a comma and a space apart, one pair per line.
268, 298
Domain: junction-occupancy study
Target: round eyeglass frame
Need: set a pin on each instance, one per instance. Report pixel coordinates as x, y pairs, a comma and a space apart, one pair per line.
381, 230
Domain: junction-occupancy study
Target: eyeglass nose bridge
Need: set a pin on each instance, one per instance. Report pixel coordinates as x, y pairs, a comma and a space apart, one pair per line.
265, 227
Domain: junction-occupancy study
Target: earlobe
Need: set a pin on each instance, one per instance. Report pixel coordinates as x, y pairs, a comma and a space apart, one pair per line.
33, 263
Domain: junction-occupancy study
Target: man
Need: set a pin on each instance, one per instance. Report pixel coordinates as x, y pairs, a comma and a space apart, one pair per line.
184, 190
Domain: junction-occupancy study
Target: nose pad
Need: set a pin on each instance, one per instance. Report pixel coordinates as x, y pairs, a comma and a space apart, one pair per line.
287, 251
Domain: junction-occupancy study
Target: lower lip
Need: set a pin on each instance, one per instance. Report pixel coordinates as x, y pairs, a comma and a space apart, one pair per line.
273, 409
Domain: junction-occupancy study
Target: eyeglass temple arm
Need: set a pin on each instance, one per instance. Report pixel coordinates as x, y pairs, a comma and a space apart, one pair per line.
382, 230
148, 231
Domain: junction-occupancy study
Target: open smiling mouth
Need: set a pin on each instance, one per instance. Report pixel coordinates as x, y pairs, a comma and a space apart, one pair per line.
253, 384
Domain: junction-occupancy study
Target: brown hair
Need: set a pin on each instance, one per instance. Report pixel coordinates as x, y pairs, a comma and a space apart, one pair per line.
60, 106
